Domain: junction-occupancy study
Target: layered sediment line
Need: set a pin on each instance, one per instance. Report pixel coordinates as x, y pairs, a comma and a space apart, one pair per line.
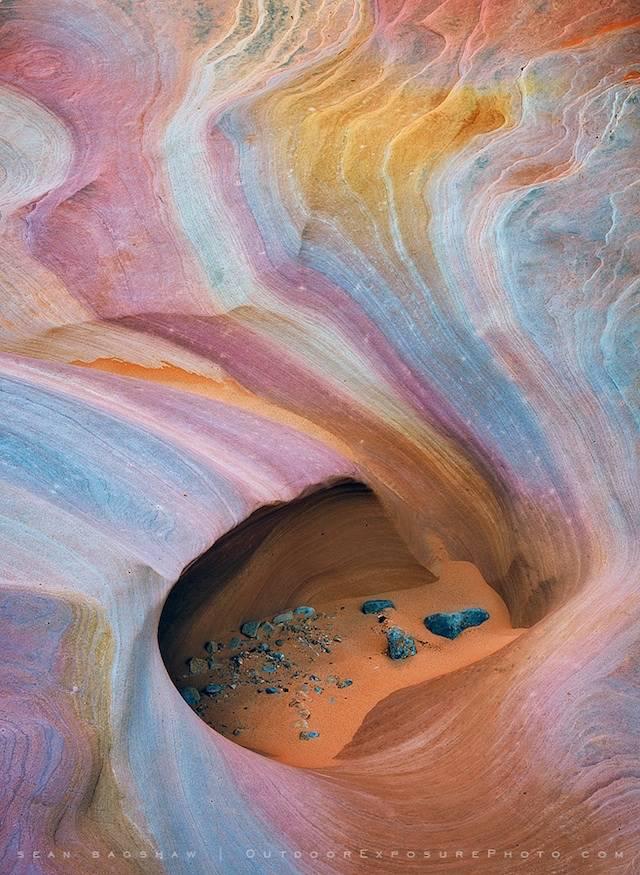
251, 252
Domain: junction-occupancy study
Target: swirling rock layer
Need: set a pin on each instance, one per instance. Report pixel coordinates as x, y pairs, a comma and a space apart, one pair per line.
253, 249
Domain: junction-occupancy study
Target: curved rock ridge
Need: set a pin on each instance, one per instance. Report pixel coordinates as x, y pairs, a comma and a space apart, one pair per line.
254, 251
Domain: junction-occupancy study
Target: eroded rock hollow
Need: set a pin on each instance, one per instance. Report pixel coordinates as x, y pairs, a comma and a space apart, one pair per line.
319, 326
317, 660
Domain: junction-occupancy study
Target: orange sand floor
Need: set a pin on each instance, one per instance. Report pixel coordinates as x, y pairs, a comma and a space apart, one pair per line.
271, 723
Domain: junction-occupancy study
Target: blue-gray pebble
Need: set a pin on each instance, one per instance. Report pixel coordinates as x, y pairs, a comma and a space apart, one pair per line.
305, 611
250, 628
374, 606
190, 695
213, 689
400, 645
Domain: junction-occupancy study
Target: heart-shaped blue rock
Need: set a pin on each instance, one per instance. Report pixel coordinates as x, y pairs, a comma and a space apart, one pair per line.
450, 625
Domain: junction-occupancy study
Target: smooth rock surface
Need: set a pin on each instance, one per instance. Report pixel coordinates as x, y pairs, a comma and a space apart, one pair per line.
248, 251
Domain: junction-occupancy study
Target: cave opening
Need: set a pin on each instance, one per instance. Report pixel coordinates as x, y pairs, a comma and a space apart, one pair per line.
266, 637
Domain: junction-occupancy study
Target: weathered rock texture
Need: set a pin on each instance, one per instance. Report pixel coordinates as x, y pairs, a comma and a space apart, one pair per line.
251, 249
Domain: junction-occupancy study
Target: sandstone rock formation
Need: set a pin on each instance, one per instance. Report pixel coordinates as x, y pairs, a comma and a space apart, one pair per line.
251, 251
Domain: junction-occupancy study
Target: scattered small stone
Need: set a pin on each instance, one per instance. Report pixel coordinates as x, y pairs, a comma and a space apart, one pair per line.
304, 611
400, 645
197, 665
450, 625
250, 628
374, 606
190, 695
241, 663
284, 617
308, 735
214, 689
